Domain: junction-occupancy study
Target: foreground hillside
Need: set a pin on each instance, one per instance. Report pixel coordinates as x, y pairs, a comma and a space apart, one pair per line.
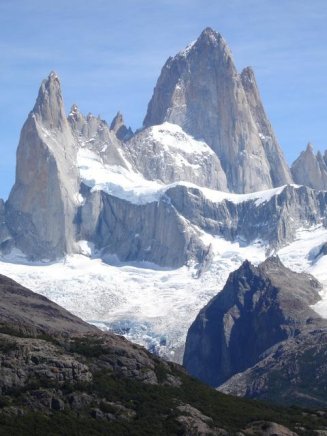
59, 375
260, 338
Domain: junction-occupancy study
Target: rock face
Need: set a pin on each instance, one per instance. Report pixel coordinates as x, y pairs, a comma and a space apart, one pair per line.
153, 232
42, 204
258, 308
310, 169
118, 127
201, 91
94, 134
168, 154
279, 171
176, 221
271, 216
291, 372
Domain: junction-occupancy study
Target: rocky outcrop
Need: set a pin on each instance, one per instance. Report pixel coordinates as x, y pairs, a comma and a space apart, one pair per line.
118, 127
279, 171
6, 240
258, 308
93, 133
169, 231
200, 90
152, 232
168, 154
42, 204
292, 372
271, 216
310, 169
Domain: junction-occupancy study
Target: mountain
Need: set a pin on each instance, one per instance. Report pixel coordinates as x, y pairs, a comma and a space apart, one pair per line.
41, 207
310, 169
59, 375
136, 232
261, 329
118, 127
201, 91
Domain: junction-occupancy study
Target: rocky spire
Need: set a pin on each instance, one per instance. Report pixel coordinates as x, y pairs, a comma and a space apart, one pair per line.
119, 128
49, 105
279, 170
200, 90
41, 206
310, 169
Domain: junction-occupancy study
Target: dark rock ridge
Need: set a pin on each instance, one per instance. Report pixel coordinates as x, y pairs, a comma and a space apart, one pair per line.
310, 169
59, 375
259, 308
200, 90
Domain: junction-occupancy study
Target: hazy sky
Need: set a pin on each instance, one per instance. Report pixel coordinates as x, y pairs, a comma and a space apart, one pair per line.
109, 54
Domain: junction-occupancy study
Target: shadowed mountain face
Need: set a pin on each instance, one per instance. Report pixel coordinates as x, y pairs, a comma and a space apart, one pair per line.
258, 308
200, 90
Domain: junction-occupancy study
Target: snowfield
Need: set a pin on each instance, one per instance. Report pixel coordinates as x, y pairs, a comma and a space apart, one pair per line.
150, 305
131, 186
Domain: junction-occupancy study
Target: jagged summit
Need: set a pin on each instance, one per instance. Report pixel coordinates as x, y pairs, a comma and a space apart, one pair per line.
213, 40
201, 91
118, 126
309, 148
247, 75
49, 105
310, 169
41, 206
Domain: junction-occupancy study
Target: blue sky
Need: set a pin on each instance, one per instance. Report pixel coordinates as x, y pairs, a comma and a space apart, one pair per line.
109, 54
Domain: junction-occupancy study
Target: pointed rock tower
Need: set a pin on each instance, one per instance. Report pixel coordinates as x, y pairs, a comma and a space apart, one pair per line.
41, 206
310, 169
118, 126
200, 90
